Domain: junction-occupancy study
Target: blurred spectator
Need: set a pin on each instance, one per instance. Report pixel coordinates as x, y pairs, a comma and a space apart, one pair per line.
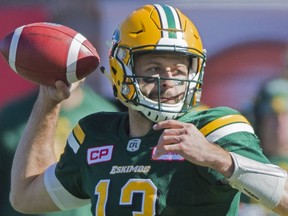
13, 118
270, 118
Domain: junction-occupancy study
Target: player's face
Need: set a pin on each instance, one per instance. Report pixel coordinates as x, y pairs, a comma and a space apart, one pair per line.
167, 66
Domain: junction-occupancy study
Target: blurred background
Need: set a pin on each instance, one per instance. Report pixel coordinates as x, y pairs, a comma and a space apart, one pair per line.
246, 40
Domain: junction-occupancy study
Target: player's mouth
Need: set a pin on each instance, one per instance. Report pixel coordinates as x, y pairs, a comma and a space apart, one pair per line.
168, 98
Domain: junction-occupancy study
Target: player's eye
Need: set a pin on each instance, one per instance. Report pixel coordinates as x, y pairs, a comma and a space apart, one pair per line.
153, 71
149, 79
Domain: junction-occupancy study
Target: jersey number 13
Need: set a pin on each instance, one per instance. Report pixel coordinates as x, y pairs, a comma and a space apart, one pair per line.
144, 186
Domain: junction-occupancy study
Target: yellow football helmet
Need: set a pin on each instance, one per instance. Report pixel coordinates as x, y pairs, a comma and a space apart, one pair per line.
155, 28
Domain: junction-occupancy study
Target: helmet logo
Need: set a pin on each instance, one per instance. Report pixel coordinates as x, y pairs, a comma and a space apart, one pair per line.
116, 36
114, 41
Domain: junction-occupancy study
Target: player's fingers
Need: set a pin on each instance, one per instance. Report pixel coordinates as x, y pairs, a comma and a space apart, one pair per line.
168, 124
171, 132
167, 149
168, 140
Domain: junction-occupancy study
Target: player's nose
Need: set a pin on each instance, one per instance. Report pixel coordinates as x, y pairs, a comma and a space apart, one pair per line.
167, 81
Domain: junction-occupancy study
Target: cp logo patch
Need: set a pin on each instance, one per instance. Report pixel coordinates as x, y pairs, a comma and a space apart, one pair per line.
99, 154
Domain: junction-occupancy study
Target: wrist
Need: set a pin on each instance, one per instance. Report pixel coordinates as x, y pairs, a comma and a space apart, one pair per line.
223, 162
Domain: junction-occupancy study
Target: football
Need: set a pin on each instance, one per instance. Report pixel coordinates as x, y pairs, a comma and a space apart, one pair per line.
45, 52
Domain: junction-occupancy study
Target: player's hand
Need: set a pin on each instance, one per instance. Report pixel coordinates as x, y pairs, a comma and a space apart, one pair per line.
59, 92
186, 140
180, 138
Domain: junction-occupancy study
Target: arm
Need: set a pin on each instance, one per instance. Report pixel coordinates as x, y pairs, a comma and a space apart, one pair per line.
35, 152
185, 139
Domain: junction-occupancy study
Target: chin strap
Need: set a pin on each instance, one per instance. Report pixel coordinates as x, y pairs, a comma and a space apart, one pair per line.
263, 182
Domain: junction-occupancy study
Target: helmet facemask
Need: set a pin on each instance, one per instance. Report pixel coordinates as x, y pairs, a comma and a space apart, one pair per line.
154, 109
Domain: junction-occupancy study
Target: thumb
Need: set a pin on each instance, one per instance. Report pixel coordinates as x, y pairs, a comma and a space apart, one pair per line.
62, 91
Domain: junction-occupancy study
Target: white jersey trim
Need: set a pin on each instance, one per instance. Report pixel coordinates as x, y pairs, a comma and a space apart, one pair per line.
229, 129
73, 143
60, 196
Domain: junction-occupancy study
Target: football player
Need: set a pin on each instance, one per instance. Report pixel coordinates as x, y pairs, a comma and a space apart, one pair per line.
160, 157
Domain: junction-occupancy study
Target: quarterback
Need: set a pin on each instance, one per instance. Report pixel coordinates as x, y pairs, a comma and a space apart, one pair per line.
161, 157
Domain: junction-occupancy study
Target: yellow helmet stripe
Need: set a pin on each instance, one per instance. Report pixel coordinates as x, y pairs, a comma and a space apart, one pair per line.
169, 19
223, 121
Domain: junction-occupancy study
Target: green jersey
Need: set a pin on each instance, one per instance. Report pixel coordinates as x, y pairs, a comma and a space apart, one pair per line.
118, 175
